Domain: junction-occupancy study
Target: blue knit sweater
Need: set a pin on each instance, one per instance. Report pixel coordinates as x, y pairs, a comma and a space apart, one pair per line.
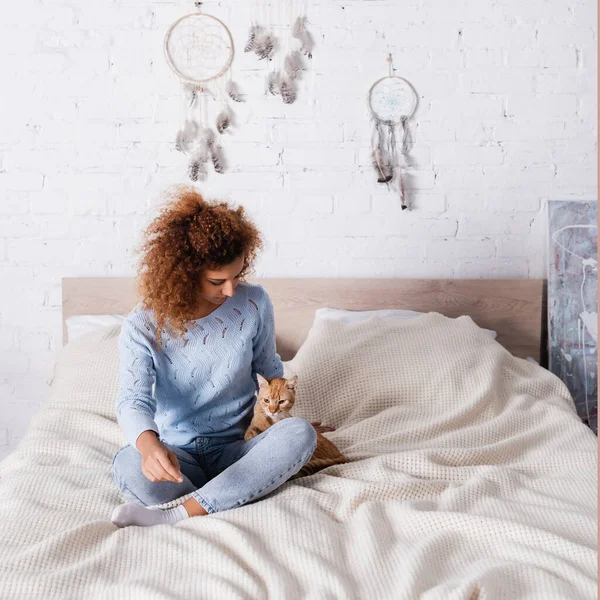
201, 384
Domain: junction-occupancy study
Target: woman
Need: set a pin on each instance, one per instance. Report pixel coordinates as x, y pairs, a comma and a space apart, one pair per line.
189, 353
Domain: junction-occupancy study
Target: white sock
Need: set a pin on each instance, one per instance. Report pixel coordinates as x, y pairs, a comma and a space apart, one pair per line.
136, 514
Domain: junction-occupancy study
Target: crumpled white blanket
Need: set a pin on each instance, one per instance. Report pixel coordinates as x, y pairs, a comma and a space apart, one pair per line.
472, 478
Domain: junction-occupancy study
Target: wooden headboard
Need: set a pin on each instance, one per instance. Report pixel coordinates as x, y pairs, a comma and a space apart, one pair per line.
512, 307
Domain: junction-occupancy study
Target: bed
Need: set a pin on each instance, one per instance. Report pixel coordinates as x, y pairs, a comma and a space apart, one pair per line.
471, 476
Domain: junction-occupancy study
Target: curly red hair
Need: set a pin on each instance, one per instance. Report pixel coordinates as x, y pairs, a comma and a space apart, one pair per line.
189, 235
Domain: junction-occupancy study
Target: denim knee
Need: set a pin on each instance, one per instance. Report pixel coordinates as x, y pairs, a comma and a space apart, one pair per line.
300, 434
122, 462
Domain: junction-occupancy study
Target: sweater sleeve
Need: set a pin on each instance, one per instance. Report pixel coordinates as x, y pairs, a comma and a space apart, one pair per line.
135, 405
266, 361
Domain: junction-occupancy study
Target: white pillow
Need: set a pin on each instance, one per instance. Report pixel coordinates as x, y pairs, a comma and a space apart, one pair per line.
81, 324
356, 316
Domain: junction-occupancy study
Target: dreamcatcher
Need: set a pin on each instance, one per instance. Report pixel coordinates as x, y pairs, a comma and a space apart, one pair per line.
392, 101
199, 49
286, 52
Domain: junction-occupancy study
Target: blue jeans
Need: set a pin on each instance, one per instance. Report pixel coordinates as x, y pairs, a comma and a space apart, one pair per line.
222, 473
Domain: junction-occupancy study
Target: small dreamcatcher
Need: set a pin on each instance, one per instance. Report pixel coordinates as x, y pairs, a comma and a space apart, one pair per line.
199, 49
392, 101
286, 50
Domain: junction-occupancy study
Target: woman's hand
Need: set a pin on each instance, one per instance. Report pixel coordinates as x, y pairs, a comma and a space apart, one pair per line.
321, 428
158, 462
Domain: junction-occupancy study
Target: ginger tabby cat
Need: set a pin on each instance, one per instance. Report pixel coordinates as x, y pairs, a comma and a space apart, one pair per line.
276, 398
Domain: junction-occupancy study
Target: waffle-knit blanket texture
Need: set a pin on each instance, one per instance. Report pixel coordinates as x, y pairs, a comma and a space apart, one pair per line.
472, 478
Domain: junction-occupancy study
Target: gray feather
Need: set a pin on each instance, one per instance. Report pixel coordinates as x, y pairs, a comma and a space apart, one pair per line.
293, 64
264, 46
287, 91
307, 43
251, 38
298, 27
300, 32
217, 159
196, 169
186, 136
382, 166
233, 91
223, 121
274, 82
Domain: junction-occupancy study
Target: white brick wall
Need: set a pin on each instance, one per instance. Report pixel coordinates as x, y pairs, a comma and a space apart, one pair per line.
89, 109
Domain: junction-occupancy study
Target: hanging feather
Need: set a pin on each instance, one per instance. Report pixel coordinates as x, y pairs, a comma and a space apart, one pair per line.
381, 158
382, 166
274, 82
402, 192
250, 43
191, 93
298, 27
217, 159
300, 32
223, 121
186, 135
233, 91
264, 46
293, 64
403, 162
209, 136
287, 91
196, 169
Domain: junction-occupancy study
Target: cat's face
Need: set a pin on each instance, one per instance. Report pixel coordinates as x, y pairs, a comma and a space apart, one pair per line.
276, 396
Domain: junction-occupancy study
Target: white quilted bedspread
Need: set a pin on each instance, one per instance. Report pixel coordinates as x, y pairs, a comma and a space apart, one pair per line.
472, 478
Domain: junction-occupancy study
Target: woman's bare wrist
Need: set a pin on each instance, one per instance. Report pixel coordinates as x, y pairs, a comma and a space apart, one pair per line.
146, 439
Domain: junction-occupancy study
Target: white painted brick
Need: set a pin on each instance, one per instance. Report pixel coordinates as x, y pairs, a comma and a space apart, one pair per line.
507, 119
510, 247
21, 181
530, 153
481, 106
423, 201
49, 203
20, 226
511, 130
14, 203
522, 57
586, 176
486, 58
352, 203
290, 134
514, 176
540, 108
319, 157
14, 361
438, 131
440, 249
465, 200
449, 178
494, 268
499, 80
461, 154
497, 35
558, 57
512, 200
309, 205
280, 204
493, 225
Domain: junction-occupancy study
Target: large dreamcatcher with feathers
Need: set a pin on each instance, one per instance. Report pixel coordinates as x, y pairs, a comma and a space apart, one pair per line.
279, 36
199, 49
392, 101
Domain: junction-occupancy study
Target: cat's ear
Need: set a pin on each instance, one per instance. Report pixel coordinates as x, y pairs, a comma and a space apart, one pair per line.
262, 382
292, 383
